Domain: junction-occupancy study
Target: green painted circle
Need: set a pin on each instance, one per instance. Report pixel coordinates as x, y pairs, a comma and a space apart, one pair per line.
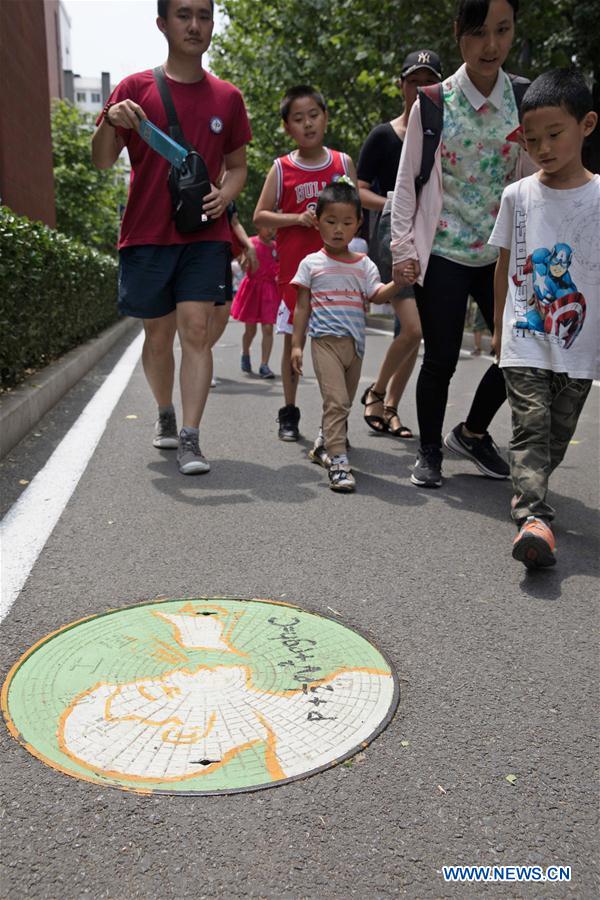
197, 696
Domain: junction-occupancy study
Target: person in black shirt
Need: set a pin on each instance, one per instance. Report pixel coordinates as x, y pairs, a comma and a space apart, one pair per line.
376, 171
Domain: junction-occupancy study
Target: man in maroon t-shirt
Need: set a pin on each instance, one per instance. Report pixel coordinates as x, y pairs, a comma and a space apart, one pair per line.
171, 280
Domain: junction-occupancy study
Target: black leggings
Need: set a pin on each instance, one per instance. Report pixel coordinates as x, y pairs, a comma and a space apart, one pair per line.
442, 305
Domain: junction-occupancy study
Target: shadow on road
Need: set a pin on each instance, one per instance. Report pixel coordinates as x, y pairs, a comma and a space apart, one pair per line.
243, 482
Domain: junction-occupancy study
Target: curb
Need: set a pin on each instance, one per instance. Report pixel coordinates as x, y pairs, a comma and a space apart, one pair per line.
386, 323
24, 407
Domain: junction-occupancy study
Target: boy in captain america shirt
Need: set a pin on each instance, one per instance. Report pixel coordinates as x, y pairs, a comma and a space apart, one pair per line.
547, 315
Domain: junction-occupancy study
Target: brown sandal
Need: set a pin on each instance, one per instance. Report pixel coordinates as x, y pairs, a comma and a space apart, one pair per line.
389, 414
377, 423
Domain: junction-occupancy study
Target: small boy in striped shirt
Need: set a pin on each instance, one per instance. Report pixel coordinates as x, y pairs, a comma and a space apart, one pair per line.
335, 287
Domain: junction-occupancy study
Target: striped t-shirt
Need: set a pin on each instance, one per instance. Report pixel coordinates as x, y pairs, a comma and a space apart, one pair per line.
339, 293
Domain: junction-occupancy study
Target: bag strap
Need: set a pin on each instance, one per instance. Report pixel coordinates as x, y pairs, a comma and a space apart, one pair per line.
165, 95
519, 86
431, 98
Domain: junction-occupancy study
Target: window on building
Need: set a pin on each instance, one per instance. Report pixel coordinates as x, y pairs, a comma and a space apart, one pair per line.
81, 96
95, 97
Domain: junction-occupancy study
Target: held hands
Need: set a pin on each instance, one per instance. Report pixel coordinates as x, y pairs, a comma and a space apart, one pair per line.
125, 114
296, 360
406, 272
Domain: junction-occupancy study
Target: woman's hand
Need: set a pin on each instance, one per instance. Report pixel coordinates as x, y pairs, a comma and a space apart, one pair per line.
406, 272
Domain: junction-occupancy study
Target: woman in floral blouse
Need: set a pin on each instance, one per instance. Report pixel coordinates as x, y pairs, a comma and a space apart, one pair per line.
439, 240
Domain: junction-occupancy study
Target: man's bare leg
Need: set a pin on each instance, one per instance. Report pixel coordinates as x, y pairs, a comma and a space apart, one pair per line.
220, 318
157, 357
194, 326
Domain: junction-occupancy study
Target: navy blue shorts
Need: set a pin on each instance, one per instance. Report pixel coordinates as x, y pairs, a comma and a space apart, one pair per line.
153, 279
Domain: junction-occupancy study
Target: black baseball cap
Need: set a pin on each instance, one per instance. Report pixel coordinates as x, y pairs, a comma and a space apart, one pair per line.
421, 59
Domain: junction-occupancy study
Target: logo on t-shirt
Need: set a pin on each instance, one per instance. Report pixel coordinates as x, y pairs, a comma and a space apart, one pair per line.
555, 308
216, 125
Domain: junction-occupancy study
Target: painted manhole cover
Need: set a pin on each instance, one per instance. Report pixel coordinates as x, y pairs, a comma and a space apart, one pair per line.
199, 696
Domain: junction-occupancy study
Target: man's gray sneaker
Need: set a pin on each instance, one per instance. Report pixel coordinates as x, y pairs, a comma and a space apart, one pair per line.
427, 470
166, 436
189, 455
482, 451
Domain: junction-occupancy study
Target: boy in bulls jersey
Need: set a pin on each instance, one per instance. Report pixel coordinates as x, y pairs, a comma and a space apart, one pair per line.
547, 298
288, 202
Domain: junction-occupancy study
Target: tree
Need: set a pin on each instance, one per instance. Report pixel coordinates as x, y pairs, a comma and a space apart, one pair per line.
88, 200
352, 51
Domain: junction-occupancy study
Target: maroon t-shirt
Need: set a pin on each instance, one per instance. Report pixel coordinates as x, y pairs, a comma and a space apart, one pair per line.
214, 121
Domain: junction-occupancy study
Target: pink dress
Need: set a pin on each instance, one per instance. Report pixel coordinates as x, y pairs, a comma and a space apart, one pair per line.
257, 298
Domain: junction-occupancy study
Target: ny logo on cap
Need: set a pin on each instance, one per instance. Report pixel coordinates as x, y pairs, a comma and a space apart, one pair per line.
424, 58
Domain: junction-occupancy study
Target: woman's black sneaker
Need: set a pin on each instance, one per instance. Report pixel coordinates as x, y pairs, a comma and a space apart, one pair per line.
288, 418
427, 470
482, 451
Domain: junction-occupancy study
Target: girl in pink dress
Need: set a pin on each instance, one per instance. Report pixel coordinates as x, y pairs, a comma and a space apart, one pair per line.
257, 300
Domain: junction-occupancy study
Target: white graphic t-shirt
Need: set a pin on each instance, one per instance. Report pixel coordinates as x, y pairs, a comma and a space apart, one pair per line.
552, 313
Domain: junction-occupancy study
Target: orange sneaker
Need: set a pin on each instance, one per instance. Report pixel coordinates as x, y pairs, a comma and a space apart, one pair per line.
534, 545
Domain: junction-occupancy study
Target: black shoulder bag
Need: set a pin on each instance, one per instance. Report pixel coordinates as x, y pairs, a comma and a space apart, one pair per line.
190, 184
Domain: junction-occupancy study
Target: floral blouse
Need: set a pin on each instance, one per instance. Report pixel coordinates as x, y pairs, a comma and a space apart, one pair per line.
477, 164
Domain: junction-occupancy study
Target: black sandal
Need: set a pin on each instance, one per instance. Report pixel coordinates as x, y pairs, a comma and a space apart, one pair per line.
390, 413
377, 423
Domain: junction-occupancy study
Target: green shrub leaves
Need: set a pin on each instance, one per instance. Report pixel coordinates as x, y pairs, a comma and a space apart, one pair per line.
54, 294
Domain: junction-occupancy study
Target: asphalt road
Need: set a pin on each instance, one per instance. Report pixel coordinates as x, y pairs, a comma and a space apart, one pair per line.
498, 667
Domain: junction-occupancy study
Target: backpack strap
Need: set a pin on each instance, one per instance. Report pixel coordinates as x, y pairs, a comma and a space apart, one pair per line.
165, 95
431, 99
519, 86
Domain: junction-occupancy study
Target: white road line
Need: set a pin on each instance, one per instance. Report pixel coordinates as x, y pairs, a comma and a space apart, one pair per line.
30, 522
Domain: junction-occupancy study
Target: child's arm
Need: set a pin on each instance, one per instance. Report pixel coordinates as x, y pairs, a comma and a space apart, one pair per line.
249, 258
351, 170
265, 215
301, 317
500, 292
385, 293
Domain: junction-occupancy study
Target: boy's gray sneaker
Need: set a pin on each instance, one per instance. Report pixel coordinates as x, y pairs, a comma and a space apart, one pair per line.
189, 455
166, 436
482, 451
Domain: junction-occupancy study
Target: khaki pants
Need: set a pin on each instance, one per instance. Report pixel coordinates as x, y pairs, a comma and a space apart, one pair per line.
545, 407
337, 366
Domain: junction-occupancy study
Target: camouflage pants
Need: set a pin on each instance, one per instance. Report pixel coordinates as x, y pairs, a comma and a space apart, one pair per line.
545, 408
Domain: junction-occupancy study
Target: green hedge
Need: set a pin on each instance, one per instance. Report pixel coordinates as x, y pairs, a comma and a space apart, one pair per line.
54, 294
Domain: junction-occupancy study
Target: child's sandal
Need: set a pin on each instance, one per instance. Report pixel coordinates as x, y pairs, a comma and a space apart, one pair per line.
377, 423
389, 414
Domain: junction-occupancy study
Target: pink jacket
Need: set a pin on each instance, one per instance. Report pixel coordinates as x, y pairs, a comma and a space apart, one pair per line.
414, 224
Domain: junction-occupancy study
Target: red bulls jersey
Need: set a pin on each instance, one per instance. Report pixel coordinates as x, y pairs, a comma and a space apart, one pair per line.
298, 189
